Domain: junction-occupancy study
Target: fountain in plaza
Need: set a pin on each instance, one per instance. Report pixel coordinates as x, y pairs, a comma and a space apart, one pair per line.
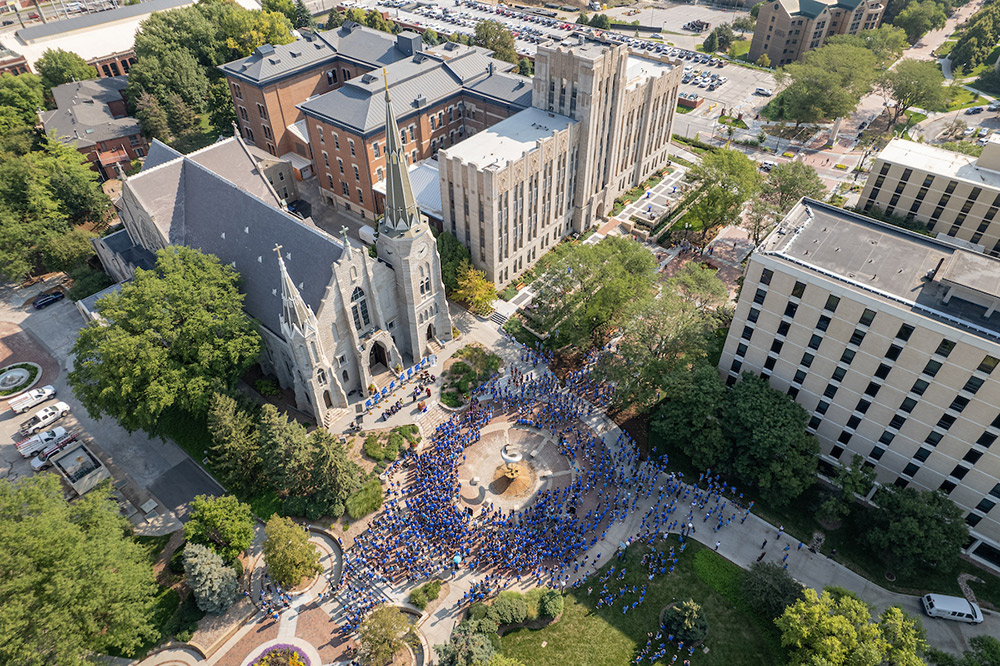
515, 476
13, 378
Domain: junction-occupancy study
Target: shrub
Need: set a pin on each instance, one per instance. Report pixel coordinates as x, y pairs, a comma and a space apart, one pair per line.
213, 583
367, 499
87, 282
768, 589
267, 388
418, 598
393, 447
373, 448
686, 621
478, 611
176, 563
551, 604
451, 399
509, 608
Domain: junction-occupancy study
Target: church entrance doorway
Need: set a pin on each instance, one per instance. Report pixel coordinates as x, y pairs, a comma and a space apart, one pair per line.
378, 359
327, 400
430, 332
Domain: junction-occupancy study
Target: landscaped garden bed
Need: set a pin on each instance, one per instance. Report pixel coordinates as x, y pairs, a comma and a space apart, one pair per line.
466, 371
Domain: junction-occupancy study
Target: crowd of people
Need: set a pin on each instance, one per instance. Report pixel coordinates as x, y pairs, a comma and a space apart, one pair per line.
423, 531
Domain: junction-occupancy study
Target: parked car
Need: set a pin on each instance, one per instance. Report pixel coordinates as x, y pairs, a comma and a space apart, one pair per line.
29, 399
983, 131
767, 165
44, 417
974, 110
766, 92
47, 299
951, 608
36, 443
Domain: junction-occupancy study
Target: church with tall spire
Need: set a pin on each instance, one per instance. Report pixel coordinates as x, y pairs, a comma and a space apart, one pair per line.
339, 325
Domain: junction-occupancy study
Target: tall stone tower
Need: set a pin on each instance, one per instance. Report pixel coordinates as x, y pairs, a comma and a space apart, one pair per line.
405, 242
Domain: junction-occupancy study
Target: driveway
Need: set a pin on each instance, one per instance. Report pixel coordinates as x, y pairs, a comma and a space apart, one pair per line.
158, 466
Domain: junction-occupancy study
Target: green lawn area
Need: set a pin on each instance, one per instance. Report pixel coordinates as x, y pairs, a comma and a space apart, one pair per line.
946, 48
587, 636
732, 122
982, 68
912, 118
963, 99
684, 109
741, 48
688, 218
199, 138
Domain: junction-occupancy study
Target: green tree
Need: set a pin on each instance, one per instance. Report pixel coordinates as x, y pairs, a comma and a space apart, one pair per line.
770, 447
68, 251
686, 621
984, 651
171, 72
285, 7
152, 117
430, 37
289, 555
912, 530
303, 18
583, 19
600, 21
790, 181
711, 43
850, 481
495, 36
914, 83
23, 95
180, 118
142, 360
74, 583
236, 455
755, 10
470, 644
382, 634
223, 524
213, 584
662, 336
744, 23
687, 418
768, 589
551, 604
919, 18
837, 630
828, 83
724, 37
243, 31
473, 288
508, 609
764, 60
193, 29
453, 254
730, 179
887, 42
525, 68
72, 183
221, 112
57, 67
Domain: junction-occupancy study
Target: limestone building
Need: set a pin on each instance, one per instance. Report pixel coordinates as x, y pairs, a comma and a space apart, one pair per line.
337, 323
891, 341
953, 194
787, 29
599, 124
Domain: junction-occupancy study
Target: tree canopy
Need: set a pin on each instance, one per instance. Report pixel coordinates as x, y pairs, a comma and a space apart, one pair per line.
828, 83
495, 36
214, 584
981, 34
57, 67
784, 186
383, 633
171, 338
919, 18
453, 253
838, 630
730, 178
289, 555
473, 288
914, 83
912, 529
886, 42
72, 580
223, 524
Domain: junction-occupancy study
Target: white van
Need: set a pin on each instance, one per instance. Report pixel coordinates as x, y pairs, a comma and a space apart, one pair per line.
951, 608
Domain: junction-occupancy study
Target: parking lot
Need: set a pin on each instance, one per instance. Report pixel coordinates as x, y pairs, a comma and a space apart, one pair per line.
736, 95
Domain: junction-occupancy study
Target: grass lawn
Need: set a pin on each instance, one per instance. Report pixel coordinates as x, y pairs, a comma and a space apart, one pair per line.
587, 636
912, 118
732, 122
946, 48
740, 48
204, 135
963, 99
991, 60
689, 218
684, 109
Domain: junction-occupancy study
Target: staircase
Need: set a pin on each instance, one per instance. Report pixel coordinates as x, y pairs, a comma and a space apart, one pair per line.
333, 416
498, 318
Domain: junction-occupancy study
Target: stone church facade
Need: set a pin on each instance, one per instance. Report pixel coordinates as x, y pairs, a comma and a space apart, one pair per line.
337, 323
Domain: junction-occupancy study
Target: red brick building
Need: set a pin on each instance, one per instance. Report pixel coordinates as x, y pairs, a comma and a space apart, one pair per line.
318, 103
92, 115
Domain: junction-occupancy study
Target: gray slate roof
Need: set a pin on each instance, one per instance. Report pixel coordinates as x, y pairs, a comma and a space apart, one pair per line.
84, 21
194, 205
351, 40
419, 81
83, 115
159, 153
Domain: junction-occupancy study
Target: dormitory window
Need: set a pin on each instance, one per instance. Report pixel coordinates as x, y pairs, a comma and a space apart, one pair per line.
359, 309
798, 290
766, 275
261, 111
988, 364
351, 143
831, 303
905, 331
237, 91
867, 317
893, 353
944, 348
375, 149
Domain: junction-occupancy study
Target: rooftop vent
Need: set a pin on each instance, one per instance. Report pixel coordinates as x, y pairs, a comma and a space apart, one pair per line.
368, 78
295, 54
264, 50
420, 100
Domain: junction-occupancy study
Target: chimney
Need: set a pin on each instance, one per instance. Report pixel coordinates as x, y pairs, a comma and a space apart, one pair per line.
491, 68
409, 42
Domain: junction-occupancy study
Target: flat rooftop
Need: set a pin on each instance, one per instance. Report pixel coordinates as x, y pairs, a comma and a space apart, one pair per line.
915, 272
425, 180
639, 69
497, 146
941, 162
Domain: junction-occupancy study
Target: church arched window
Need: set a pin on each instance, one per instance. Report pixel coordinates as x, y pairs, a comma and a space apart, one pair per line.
359, 309
321, 376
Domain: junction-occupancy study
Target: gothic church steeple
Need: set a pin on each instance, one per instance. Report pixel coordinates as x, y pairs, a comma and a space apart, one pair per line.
401, 212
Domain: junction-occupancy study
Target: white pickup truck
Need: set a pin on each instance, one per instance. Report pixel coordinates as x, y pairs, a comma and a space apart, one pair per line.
44, 417
43, 441
44, 459
29, 399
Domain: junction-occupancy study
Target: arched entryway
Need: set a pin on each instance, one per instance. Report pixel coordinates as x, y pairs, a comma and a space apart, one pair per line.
430, 332
378, 357
327, 400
